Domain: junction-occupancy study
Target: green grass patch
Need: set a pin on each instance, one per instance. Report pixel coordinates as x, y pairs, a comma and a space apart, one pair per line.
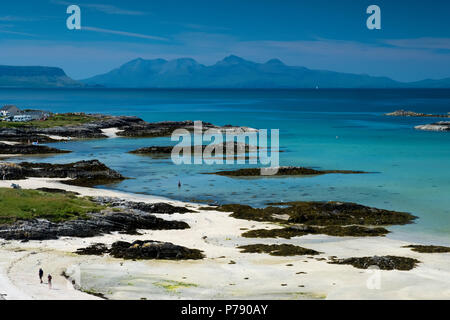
56, 120
172, 286
31, 204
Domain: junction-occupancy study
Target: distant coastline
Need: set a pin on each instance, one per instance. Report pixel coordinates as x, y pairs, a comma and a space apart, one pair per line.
185, 73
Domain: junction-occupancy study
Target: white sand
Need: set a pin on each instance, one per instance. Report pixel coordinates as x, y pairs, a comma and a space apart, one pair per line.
11, 143
111, 132
217, 235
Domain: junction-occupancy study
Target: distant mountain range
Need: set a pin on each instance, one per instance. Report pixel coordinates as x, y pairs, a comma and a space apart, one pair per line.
231, 72
31, 77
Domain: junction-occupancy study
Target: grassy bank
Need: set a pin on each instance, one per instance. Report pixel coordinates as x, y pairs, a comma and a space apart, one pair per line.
56, 120
30, 204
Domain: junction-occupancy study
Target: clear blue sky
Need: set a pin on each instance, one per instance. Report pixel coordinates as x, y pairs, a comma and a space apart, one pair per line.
413, 44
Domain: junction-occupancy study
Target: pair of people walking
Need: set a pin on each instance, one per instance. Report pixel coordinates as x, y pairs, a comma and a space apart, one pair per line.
49, 278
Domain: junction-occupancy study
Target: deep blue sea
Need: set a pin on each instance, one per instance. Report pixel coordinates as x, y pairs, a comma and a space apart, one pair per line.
327, 129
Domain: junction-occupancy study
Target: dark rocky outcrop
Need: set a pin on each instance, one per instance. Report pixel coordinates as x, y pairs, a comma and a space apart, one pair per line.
235, 147
93, 124
143, 250
96, 249
383, 262
298, 231
96, 224
319, 213
437, 126
153, 250
404, 113
165, 128
83, 173
282, 171
428, 249
28, 149
159, 207
277, 249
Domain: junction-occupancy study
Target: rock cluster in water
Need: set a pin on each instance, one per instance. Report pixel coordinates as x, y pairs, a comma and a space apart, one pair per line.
405, 113
437, 126
282, 171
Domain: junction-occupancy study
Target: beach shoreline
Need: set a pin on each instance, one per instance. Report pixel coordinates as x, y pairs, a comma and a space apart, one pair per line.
225, 273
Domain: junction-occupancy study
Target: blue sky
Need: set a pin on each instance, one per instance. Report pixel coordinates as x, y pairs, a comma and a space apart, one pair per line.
413, 43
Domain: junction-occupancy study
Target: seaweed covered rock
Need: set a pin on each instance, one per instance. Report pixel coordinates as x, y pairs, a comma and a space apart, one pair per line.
28, 149
96, 224
428, 248
83, 173
382, 262
297, 231
319, 213
277, 249
153, 250
232, 147
96, 249
282, 171
159, 207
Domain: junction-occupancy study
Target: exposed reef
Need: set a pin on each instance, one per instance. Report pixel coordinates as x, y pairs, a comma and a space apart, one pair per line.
405, 113
82, 173
298, 231
383, 262
277, 249
95, 224
165, 128
28, 149
319, 213
282, 171
428, 249
143, 250
437, 126
234, 146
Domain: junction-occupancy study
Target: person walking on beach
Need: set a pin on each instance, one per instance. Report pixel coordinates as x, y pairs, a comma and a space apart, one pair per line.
41, 274
49, 281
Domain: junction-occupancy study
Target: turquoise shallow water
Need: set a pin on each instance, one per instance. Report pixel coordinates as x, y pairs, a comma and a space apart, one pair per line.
411, 168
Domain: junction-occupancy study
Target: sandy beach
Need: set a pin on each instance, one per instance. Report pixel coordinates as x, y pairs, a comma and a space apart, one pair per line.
225, 273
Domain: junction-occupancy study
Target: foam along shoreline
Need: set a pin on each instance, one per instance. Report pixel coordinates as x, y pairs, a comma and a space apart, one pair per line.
224, 273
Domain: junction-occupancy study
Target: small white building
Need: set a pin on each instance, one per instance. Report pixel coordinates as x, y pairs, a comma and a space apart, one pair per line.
22, 118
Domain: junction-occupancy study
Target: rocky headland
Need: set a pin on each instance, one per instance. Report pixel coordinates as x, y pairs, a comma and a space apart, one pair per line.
88, 126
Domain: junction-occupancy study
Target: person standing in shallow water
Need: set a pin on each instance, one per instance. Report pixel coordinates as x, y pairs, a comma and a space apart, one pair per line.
41, 274
49, 281
179, 184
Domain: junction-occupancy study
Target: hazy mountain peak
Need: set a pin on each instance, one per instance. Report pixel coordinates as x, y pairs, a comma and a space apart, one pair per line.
275, 62
236, 72
232, 59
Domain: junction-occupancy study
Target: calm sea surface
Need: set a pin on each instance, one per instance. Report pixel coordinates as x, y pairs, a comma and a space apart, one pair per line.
326, 129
